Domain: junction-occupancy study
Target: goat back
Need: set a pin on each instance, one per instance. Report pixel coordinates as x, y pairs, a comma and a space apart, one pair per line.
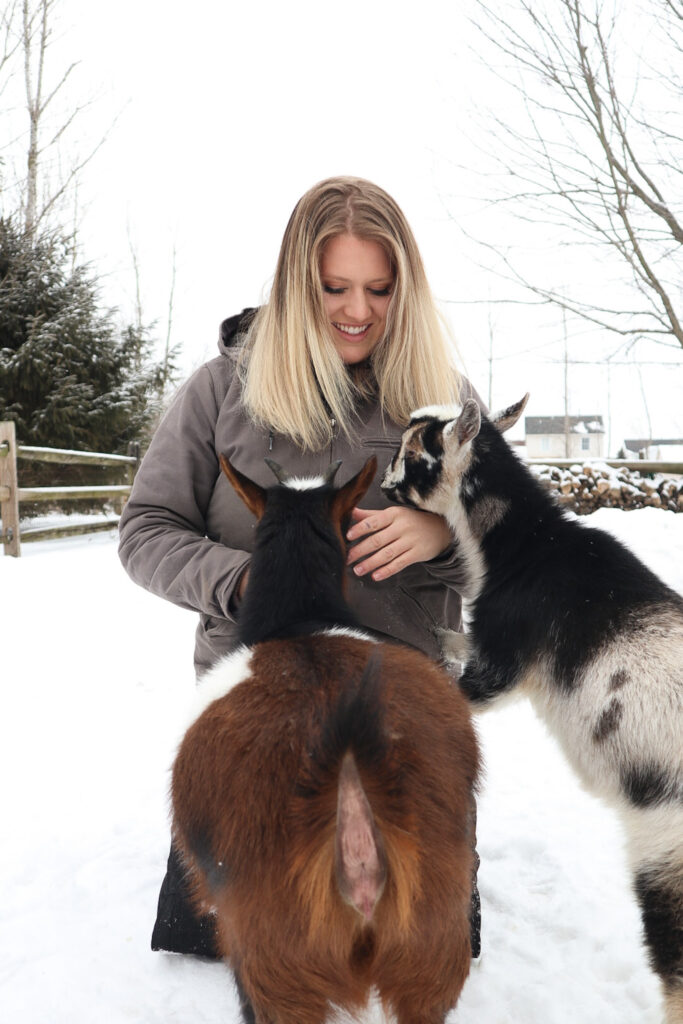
256, 804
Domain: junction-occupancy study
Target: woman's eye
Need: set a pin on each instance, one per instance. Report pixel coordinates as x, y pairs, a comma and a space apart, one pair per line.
379, 292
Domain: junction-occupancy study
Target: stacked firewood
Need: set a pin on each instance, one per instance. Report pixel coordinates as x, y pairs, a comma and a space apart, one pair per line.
583, 488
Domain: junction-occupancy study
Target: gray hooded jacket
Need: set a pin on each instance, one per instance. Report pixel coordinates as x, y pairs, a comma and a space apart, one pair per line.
186, 536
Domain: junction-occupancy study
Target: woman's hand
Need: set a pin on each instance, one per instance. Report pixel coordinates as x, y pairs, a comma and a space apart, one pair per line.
390, 539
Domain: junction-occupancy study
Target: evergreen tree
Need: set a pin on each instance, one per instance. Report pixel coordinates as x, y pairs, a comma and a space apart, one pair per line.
70, 377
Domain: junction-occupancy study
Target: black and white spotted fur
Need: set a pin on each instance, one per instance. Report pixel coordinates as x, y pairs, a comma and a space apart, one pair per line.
566, 614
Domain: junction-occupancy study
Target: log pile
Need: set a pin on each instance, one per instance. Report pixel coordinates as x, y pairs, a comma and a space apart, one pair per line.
584, 488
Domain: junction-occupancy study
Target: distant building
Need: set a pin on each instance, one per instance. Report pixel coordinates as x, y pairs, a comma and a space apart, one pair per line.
651, 448
545, 437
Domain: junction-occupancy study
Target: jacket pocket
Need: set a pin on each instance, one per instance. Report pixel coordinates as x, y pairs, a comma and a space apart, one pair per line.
422, 613
385, 444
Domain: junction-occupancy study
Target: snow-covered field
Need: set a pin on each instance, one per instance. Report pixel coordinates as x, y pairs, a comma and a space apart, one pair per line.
96, 678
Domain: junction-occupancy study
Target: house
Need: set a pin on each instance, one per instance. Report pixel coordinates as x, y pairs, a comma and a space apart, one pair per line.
545, 437
651, 448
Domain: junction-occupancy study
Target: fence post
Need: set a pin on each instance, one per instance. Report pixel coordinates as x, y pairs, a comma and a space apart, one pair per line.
131, 470
9, 501
134, 453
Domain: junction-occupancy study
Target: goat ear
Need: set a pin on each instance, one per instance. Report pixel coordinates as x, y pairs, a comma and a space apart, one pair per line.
467, 424
348, 496
507, 418
253, 496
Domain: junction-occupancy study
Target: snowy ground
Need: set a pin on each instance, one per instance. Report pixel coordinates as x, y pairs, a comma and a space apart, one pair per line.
96, 677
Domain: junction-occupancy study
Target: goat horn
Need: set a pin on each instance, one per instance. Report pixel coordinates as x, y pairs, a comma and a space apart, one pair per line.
281, 475
331, 471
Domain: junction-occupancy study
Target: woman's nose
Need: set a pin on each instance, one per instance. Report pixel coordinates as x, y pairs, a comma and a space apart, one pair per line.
357, 305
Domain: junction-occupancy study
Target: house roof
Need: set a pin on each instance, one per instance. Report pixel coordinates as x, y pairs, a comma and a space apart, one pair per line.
636, 444
555, 425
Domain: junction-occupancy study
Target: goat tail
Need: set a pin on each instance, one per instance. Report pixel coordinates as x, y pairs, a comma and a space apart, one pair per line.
364, 859
360, 859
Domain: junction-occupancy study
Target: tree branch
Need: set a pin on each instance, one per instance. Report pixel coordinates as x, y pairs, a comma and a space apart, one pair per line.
610, 171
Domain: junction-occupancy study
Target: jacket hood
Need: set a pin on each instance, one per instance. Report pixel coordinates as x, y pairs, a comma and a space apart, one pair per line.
232, 328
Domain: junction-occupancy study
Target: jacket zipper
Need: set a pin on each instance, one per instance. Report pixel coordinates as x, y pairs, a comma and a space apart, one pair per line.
333, 424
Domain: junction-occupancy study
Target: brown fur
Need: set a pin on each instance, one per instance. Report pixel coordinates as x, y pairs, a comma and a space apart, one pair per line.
250, 780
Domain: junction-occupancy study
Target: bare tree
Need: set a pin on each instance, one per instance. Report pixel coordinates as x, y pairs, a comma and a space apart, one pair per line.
169, 351
28, 30
598, 153
8, 41
9, 44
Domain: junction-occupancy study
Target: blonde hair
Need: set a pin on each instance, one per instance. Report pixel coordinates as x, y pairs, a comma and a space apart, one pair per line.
295, 381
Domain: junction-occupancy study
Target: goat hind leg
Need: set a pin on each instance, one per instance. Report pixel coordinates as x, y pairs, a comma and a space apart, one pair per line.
659, 889
270, 1010
246, 1006
661, 907
406, 1013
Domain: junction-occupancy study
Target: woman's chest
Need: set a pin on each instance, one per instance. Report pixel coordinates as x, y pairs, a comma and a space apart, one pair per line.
247, 446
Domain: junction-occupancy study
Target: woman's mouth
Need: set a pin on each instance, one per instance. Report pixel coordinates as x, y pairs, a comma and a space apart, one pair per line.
352, 331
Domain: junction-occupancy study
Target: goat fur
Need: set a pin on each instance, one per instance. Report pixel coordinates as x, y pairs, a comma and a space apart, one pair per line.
569, 616
322, 798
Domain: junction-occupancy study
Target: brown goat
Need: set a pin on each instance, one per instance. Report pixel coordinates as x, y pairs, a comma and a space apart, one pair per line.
322, 799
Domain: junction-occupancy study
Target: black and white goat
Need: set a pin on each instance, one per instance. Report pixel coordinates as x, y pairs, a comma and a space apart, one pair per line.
569, 616
322, 797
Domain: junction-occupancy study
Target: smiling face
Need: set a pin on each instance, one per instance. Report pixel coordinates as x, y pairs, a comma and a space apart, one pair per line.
357, 284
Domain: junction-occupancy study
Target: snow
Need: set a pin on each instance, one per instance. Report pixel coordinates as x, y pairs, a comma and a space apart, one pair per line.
56, 519
97, 679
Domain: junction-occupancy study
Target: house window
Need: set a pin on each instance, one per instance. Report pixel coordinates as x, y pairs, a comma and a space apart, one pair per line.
585, 444
545, 443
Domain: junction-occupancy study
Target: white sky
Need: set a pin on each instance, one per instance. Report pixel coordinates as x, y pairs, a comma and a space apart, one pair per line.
228, 112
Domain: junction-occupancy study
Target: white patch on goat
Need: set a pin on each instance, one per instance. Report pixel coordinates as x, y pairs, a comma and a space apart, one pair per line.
221, 678
304, 483
355, 634
644, 703
455, 464
371, 1013
395, 472
655, 836
445, 499
442, 413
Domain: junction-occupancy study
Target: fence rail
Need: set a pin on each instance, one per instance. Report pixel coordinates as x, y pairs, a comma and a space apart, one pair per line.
11, 494
64, 455
639, 465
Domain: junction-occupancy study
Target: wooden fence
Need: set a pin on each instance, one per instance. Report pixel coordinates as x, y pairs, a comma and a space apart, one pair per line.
12, 494
643, 466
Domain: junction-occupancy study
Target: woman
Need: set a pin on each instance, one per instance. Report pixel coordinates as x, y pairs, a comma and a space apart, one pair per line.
330, 368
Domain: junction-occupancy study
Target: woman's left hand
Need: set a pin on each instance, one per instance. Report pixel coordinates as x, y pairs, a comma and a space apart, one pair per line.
390, 539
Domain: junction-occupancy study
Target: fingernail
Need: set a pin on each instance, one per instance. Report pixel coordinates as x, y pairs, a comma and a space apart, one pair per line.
359, 570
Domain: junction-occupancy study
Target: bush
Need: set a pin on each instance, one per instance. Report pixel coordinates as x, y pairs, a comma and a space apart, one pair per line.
70, 376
